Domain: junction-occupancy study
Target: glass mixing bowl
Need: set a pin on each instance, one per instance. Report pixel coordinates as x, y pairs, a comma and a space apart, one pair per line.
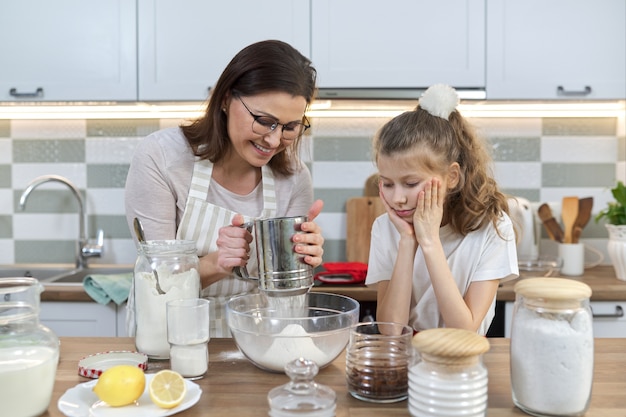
273, 331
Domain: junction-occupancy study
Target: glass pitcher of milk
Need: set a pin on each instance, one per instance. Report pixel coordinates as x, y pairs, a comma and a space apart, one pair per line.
29, 351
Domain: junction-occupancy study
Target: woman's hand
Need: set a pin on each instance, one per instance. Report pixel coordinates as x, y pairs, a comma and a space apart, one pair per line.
233, 245
311, 243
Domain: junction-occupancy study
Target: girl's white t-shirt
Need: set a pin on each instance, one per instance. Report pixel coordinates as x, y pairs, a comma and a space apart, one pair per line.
479, 256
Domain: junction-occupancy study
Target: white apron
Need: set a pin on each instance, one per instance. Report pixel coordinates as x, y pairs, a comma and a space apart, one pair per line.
201, 222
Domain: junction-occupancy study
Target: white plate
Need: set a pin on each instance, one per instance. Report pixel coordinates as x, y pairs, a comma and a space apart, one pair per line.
81, 401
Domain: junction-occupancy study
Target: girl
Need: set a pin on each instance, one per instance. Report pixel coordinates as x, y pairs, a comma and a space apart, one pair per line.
446, 241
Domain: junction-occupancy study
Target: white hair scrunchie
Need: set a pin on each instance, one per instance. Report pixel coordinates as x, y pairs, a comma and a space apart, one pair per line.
439, 100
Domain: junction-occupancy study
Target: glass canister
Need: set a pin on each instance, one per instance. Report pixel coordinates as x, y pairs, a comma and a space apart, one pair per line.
377, 361
448, 378
552, 347
302, 396
165, 270
29, 351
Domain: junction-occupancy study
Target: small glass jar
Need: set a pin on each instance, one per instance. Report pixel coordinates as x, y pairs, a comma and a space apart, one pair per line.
552, 347
174, 265
448, 377
377, 361
302, 396
29, 351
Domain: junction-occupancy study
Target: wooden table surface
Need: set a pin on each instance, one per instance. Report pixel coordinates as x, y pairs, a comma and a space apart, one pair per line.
235, 387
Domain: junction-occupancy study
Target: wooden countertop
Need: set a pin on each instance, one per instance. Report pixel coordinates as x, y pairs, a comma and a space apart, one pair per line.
233, 386
604, 284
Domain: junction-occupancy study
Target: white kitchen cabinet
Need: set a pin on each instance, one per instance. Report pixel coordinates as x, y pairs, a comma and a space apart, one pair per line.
184, 45
68, 50
398, 43
79, 318
557, 49
121, 321
609, 318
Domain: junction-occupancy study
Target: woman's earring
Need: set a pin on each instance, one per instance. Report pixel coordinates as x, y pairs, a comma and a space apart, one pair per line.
224, 109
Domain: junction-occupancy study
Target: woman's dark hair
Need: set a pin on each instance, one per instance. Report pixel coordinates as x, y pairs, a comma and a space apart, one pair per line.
262, 67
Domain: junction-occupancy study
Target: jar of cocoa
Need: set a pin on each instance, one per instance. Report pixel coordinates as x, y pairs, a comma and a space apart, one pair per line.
377, 361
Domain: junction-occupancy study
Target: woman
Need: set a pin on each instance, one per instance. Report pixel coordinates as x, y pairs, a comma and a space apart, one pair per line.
239, 161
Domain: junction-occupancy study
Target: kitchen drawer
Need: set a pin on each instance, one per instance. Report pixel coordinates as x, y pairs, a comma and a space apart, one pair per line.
84, 319
608, 318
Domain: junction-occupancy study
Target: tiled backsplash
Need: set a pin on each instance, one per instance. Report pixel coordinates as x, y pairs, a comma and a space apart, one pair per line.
539, 159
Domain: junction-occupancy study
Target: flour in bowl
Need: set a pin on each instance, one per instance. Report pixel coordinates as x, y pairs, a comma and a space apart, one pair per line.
290, 344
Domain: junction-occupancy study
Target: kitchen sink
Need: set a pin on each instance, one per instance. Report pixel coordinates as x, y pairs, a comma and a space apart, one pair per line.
76, 276
40, 271
60, 273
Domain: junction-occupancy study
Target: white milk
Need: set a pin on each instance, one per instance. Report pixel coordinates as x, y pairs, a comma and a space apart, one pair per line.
190, 360
26, 381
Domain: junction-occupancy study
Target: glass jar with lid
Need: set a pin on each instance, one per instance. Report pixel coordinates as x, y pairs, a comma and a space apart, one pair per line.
552, 347
302, 396
165, 270
448, 377
29, 351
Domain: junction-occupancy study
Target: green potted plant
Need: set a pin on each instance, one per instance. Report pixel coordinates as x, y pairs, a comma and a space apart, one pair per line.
615, 215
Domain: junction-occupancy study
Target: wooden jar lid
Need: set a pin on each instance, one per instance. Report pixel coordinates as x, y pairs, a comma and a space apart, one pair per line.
450, 346
553, 289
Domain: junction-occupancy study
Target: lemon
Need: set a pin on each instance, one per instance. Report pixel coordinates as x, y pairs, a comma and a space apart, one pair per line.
167, 389
120, 385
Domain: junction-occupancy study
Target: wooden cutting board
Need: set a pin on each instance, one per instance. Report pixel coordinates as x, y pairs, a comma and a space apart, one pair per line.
360, 215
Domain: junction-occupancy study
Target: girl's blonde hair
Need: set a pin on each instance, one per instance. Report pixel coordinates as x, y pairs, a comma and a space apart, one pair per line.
476, 199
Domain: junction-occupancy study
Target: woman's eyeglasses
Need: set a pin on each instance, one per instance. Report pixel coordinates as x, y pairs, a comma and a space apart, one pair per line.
263, 125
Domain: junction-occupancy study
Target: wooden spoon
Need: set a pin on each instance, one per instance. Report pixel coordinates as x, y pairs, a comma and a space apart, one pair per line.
550, 223
569, 213
584, 214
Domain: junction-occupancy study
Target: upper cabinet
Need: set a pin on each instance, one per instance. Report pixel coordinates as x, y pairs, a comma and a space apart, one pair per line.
184, 45
398, 43
72, 50
557, 49
175, 50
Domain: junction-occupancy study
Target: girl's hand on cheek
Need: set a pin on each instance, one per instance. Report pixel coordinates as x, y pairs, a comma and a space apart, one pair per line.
403, 227
429, 211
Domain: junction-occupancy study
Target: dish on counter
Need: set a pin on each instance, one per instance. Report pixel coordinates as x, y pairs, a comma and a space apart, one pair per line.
81, 401
92, 366
545, 266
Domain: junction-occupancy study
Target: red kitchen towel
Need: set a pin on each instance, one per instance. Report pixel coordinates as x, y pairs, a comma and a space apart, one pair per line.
342, 273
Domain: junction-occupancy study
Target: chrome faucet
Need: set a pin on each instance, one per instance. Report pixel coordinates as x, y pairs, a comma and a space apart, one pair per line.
85, 249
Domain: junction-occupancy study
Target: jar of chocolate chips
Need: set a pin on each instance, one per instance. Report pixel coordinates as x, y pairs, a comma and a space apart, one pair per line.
377, 361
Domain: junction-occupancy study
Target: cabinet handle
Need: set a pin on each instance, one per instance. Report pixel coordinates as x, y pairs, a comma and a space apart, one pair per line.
563, 92
38, 93
619, 312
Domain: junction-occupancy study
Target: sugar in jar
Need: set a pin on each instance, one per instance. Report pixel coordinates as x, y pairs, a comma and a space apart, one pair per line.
552, 347
448, 377
173, 264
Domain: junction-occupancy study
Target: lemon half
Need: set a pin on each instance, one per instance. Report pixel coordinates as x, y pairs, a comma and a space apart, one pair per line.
167, 389
120, 385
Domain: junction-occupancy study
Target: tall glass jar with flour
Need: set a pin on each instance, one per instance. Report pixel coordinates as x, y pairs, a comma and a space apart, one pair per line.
165, 270
552, 347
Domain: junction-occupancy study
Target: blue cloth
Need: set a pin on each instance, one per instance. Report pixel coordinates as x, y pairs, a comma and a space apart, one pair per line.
105, 288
